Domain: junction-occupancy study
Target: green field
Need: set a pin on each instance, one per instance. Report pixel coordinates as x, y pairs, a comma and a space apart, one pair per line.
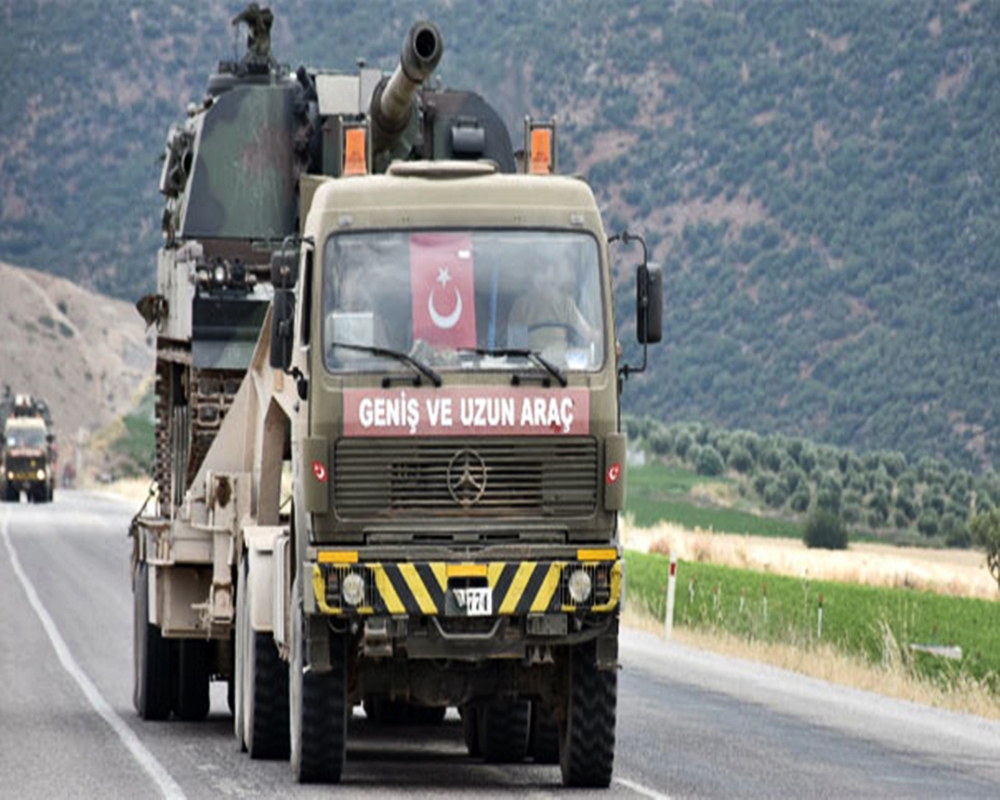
877, 623
658, 493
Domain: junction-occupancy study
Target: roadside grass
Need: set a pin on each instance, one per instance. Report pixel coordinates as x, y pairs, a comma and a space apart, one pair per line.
825, 662
872, 625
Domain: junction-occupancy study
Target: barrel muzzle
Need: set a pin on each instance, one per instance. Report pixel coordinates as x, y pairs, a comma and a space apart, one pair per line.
392, 104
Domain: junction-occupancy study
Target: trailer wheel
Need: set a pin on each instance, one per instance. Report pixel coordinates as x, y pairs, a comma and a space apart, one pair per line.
151, 692
318, 707
503, 731
587, 751
240, 651
192, 701
544, 740
264, 682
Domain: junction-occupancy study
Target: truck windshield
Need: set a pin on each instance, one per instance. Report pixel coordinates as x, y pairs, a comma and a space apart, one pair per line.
25, 437
441, 296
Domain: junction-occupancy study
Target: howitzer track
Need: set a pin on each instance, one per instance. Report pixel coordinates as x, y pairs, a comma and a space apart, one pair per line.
190, 406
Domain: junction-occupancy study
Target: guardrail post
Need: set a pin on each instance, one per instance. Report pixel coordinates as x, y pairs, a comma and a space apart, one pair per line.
668, 622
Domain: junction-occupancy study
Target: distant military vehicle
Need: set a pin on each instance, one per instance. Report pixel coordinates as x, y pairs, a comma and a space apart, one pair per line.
28, 463
389, 457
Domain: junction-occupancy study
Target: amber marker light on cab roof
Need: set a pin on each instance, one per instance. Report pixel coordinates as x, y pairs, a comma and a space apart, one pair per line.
355, 158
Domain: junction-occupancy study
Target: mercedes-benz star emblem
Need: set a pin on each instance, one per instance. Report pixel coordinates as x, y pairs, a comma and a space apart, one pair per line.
466, 477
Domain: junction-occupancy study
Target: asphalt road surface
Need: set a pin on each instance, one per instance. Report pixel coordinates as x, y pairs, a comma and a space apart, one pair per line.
690, 724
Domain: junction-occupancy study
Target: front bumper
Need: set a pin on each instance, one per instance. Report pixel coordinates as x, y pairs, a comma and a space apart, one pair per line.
447, 589
470, 611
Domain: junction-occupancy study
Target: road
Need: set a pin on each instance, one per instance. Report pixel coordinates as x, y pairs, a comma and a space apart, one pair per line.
691, 724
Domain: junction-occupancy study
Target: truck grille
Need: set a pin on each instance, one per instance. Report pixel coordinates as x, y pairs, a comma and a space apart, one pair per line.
466, 477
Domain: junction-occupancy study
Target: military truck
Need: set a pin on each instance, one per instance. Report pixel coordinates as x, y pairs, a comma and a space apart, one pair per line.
27, 459
389, 458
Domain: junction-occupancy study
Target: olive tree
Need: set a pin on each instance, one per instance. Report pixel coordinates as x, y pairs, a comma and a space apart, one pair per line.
985, 529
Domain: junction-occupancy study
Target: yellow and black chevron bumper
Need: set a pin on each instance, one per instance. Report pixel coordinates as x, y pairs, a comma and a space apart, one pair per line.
441, 588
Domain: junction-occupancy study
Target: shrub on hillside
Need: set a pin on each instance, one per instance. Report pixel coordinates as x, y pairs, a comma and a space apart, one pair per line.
826, 530
740, 459
775, 494
801, 499
710, 462
928, 523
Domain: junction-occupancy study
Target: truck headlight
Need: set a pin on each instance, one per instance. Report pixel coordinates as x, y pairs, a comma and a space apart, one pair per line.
353, 589
579, 586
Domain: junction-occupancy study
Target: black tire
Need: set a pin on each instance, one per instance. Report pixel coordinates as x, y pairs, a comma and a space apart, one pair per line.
192, 701
503, 731
587, 751
151, 693
265, 687
470, 730
267, 712
544, 741
318, 707
240, 657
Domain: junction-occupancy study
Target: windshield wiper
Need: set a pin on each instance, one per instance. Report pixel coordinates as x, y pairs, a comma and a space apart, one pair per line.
396, 354
531, 355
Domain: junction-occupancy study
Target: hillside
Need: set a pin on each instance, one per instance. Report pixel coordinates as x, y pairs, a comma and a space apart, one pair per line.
820, 180
85, 353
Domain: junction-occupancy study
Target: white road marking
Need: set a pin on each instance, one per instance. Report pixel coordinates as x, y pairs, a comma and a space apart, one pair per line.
638, 788
166, 784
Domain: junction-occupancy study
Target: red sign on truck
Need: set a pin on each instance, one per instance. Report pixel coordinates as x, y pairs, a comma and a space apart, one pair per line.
520, 411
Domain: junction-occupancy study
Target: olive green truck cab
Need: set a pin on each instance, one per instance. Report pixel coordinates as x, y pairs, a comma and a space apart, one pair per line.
411, 500
27, 451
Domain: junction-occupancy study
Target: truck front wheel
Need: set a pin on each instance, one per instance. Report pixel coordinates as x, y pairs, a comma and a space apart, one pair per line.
152, 660
318, 706
587, 734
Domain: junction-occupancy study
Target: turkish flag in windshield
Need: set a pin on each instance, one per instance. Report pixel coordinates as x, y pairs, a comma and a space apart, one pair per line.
441, 279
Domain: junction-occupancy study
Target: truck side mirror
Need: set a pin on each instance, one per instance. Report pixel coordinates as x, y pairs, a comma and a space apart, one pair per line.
649, 304
284, 274
282, 328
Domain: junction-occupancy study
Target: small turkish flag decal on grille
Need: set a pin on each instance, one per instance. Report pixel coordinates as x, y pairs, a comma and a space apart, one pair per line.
319, 470
614, 471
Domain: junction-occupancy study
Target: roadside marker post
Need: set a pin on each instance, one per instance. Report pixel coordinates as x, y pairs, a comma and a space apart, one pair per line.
668, 622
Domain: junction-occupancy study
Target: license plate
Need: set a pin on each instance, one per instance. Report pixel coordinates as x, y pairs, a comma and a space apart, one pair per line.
477, 602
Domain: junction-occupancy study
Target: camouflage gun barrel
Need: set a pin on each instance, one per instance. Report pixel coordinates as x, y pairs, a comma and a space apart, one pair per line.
391, 108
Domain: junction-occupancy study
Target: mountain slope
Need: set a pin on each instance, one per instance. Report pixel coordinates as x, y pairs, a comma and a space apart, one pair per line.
820, 180
86, 354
